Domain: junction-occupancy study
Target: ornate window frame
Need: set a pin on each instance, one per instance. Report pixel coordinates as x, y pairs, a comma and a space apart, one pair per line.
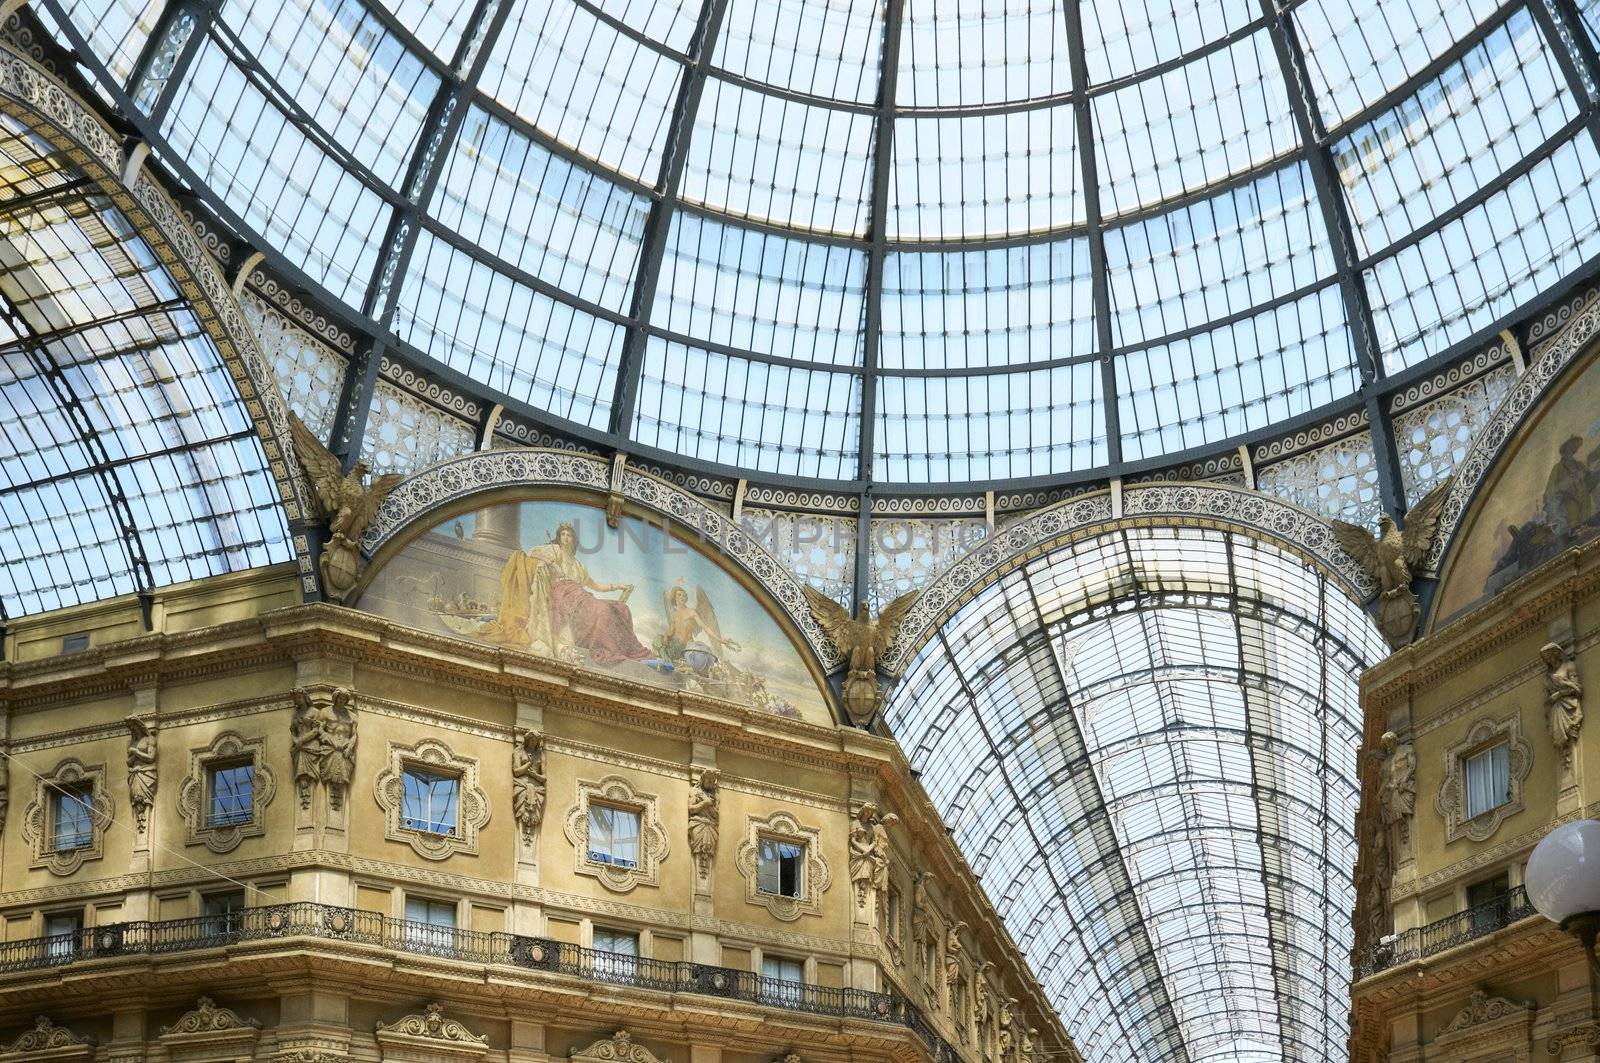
1451, 802
193, 797
36, 827
472, 805
815, 877
653, 844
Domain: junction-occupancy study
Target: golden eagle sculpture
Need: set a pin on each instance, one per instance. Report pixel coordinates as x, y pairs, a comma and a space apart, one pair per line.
345, 501
862, 639
1390, 559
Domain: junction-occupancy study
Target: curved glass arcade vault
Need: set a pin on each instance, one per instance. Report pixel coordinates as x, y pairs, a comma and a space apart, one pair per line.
889, 242
1145, 744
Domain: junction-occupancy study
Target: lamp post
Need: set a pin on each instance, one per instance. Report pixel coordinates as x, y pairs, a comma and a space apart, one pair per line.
1563, 882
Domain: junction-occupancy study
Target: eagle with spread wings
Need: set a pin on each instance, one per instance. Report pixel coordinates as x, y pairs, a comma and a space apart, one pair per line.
1390, 558
345, 501
862, 639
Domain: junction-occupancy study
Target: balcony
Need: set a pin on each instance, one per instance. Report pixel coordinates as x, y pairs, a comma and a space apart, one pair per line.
324, 921
1478, 921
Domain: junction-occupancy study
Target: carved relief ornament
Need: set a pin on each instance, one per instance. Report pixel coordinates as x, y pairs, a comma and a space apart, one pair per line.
815, 877
429, 1037
616, 791
194, 801
47, 1041
210, 1032
324, 738
618, 1048
1451, 802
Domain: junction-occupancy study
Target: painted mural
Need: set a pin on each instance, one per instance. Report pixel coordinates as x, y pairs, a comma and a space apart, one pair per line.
551, 578
1542, 497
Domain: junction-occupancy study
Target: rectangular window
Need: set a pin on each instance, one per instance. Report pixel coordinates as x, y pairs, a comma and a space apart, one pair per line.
778, 865
613, 835
430, 924
616, 953
1488, 779
223, 912
71, 818
429, 802
232, 789
63, 931
783, 979
1488, 904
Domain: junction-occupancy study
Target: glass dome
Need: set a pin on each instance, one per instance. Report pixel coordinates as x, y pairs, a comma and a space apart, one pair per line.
887, 242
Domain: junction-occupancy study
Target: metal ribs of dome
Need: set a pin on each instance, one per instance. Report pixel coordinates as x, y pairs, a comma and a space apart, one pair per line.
1053, 242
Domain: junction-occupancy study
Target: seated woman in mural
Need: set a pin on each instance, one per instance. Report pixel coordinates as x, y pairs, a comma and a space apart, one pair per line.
548, 602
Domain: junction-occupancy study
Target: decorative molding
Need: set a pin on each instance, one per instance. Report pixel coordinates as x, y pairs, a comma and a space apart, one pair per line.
210, 1033
461, 477
1450, 377
46, 1040
1451, 802
1307, 438
194, 799
208, 1017
803, 501
425, 387
1559, 315
1202, 504
472, 803
1586, 1035
653, 844
429, 1037
36, 818
323, 735
1482, 1008
814, 880
618, 1048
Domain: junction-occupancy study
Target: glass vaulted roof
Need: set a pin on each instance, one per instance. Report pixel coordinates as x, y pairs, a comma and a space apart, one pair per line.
1145, 745
897, 242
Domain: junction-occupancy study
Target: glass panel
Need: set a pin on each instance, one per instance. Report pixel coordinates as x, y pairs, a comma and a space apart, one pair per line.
115, 30
71, 820
1123, 37
621, 942
438, 24
430, 925
64, 929
984, 175
1221, 114
232, 790
345, 71
585, 84
812, 162
613, 835
987, 308
778, 865
299, 199
1488, 779
830, 50
429, 800
1463, 129
956, 53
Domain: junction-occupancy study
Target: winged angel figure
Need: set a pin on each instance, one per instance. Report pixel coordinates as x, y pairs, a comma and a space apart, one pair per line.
1390, 558
862, 639
347, 504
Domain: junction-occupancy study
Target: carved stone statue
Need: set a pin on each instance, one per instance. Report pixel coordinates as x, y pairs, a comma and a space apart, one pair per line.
982, 999
141, 770
5, 785
1030, 1045
1563, 695
1390, 557
862, 640
703, 824
869, 851
1006, 1038
346, 503
323, 736
953, 951
1397, 794
527, 784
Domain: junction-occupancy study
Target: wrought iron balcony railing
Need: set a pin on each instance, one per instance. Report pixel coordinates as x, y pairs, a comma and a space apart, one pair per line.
1478, 921
307, 919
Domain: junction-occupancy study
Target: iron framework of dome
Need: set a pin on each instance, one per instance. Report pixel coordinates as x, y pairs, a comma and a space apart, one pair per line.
860, 261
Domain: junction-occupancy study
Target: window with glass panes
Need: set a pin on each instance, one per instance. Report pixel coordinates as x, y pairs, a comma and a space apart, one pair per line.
63, 929
71, 818
429, 801
616, 952
1488, 775
782, 977
231, 788
780, 867
223, 911
430, 923
613, 835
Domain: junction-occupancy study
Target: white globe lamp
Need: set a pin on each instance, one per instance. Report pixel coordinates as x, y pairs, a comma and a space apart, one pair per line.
1563, 882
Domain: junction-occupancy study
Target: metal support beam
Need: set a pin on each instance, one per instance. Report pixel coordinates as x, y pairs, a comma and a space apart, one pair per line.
167, 54
653, 243
877, 252
1336, 221
1100, 284
1562, 26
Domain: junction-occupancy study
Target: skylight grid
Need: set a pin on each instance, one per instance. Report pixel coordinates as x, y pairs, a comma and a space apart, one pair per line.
116, 30
672, 22
301, 200
1123, 37
1222, 114
354, 78
1480, 117
971, 52
436, 24
978, 176
540, 213
830, 50
578, 79
762, 292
